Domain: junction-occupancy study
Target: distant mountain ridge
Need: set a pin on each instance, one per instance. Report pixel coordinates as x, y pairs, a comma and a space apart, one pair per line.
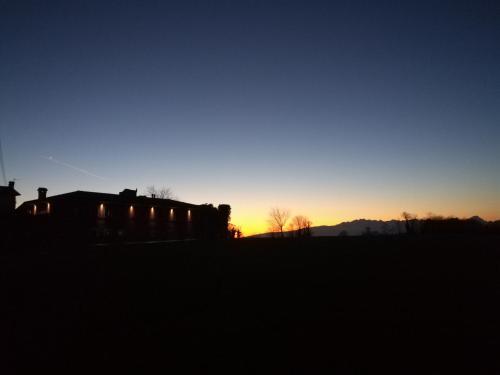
357, 228
360, 226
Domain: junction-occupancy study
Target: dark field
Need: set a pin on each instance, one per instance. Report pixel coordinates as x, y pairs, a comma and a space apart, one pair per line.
409, 305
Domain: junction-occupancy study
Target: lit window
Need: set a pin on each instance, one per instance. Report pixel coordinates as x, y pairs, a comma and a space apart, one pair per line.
34, 209
152, 213
48, 208
131, 212
171, 214
101, 212
189, 215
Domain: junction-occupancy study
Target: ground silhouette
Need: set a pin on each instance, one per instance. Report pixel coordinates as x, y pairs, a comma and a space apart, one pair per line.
401, 303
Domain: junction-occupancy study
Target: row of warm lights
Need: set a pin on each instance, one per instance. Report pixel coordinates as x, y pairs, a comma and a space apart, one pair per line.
35, 209
131, 210
152, 212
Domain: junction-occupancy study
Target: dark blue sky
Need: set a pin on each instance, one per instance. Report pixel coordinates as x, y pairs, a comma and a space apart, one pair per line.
334, 109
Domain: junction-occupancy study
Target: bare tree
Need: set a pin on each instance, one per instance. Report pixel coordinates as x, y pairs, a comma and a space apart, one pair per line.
235, 231
302, 225
278, 217
162, 193
410, 222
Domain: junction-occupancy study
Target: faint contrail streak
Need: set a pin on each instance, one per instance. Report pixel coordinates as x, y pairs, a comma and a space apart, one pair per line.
2, 165
84, 171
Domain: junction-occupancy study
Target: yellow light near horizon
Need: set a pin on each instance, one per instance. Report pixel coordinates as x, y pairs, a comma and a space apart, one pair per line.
251, 213
252, 226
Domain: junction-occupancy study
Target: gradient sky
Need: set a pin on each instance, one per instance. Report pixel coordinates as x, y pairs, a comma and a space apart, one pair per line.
336, 110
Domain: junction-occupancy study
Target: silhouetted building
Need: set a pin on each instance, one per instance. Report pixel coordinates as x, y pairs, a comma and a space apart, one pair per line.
8, 200
125, 215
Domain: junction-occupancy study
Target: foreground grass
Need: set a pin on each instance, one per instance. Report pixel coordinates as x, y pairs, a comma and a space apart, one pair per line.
416, 305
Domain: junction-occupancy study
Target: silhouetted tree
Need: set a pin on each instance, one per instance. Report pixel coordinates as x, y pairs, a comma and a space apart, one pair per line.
162, 193
278, 217
234, 231
410, 222
302, 226
239, 232
224, 218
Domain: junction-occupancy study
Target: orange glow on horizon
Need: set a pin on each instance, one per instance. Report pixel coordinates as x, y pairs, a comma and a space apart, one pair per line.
256, 223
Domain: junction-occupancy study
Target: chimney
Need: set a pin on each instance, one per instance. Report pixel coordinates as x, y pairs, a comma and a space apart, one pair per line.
42, 193
128, 193
153, 195
11, 184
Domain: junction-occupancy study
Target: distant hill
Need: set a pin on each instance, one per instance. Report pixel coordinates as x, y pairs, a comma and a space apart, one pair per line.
359, 227
352, 228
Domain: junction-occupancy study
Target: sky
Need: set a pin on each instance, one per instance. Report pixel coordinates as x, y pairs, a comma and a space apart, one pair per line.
336, 110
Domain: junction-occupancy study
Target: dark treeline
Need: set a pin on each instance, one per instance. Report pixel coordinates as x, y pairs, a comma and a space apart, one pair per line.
452, 225
458, 226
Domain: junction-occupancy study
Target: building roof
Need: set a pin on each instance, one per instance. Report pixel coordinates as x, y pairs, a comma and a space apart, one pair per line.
80, 195
4, 190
